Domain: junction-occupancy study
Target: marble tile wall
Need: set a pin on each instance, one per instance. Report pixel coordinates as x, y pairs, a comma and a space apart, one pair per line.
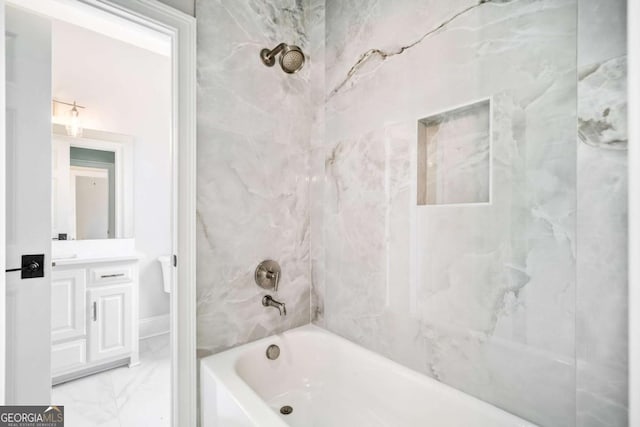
317, 160
318, 171
254, 127
601, 303
479, 297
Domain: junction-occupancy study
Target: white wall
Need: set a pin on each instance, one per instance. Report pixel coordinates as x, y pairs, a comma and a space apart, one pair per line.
126, 90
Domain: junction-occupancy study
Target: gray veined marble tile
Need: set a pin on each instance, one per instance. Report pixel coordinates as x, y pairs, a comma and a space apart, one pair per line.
489, 41
602, 104
457, 293
602, 30
602, 288
602, 396
316, 161
254, 132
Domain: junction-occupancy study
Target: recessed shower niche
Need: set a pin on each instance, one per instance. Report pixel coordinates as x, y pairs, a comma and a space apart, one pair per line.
454, 156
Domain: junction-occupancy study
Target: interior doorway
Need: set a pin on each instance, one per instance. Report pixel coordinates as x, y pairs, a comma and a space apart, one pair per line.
105, 194
112, 184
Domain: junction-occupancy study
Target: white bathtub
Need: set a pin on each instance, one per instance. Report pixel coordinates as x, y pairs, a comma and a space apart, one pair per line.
330, 382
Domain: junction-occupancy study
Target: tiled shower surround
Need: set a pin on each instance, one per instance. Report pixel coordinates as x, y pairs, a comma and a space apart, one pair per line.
253, 168
520, 301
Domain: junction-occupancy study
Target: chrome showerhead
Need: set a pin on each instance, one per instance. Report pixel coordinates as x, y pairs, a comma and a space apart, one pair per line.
291, 57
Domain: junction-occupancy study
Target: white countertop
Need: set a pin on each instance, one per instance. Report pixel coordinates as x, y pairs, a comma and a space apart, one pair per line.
58, 262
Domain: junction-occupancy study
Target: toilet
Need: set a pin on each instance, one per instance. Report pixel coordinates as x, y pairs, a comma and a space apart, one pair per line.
165, 264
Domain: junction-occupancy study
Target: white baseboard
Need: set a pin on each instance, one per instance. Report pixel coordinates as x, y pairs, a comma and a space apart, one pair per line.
154, 326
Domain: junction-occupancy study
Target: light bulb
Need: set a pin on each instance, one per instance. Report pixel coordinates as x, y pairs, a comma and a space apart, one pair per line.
73, 124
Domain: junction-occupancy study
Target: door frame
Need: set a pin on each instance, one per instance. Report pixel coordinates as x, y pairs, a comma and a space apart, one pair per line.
3, 219
633, 51
181, 29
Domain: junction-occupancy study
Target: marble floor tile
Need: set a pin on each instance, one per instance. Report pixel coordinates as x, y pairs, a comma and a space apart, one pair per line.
124, 396
88, 401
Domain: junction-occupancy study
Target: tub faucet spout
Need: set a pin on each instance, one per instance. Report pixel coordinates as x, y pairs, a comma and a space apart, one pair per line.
268, 301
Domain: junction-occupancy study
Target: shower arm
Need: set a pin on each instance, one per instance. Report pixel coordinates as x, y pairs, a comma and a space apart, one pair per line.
270, 54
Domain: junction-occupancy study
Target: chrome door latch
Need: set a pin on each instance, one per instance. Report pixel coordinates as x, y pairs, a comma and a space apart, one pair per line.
32, 267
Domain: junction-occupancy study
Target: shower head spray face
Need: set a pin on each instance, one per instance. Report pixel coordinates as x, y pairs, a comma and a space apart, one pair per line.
291, 57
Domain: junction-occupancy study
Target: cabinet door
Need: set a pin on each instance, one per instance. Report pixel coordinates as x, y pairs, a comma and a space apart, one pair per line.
111, 321
68, 304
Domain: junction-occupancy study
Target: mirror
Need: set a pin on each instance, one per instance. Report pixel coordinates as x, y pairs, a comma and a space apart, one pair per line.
93, 193
91, 198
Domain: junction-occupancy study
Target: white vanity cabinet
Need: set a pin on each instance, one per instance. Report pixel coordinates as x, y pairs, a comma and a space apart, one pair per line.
93, 316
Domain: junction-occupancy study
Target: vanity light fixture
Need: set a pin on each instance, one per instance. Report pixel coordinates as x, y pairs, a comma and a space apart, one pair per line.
72, 124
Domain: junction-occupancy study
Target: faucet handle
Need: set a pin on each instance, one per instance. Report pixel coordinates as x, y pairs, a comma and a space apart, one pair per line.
275, 275
267, 275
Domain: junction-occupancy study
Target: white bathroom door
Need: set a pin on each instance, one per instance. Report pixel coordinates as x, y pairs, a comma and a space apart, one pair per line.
3, 245
27, 210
